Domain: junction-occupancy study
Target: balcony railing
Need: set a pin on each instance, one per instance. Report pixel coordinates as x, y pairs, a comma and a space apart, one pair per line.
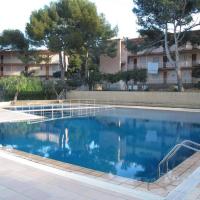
165, 65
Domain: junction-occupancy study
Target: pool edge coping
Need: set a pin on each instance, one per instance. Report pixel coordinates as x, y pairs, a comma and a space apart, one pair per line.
143, 195
159, 188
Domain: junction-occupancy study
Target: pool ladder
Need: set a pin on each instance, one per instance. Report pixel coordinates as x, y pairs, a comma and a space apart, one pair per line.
188, 144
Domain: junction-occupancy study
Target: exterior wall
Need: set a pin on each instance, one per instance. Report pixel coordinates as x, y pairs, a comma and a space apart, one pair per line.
124, 57
130, 61
54, 59
143, 60
11, 59
186, 60
36, 69
166, 99
53, 69
171, 77
198, 58
155, 78
111, 65
187, 76
13, 70
39, 70
13, 66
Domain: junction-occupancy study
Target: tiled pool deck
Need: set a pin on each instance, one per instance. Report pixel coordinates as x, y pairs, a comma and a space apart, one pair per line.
181, 183
22, 182
13, 116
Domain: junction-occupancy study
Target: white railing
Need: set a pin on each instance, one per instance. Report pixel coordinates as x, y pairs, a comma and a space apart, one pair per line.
68, 109
188, 144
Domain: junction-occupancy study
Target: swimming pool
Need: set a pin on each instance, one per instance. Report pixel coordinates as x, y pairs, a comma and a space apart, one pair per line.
124, 142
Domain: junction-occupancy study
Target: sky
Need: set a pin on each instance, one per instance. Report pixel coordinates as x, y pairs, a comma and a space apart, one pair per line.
15, 14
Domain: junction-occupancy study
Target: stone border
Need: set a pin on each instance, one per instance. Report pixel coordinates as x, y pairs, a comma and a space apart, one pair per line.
163, 99
161, 187
161, 108
10, 116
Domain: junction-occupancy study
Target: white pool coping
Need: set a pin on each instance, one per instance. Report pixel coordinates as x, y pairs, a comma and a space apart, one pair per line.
160, 108
16, 116
185, 187
83, 178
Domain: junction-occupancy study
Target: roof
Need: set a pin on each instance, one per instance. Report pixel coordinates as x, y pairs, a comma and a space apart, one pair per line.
14, 52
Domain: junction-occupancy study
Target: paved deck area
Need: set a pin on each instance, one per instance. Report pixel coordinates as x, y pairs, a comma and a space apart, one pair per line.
21, 182
26, 178
15, 116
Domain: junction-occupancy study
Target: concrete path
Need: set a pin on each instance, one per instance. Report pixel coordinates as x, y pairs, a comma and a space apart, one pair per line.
21, 182
15, 116
188, 189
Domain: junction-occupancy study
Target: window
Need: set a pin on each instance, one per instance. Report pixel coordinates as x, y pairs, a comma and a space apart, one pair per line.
156, 59
142, 60
165, 60
194, 59
123, 66
185, 58
1, 59
8, 68
135, 63
26, 68
130, 60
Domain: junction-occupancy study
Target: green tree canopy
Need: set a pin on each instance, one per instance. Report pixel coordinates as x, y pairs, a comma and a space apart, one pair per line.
13, 40
69, 27
137, 75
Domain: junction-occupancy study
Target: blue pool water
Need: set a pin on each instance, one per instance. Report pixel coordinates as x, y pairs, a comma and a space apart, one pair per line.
124, 142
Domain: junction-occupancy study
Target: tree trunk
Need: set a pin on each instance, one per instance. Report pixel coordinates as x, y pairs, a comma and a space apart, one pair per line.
86, 66
16, 96
172, 62
177, 64
167, 47
126, 82
62, 70
62, 74
179, 79
64, 61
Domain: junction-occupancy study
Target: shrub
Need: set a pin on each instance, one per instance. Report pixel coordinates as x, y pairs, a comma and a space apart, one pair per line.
197, 85
138, 75
22, 87
94, 77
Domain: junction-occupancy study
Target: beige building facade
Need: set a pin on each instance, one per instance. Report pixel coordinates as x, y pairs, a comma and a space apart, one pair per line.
166, 74
11, 64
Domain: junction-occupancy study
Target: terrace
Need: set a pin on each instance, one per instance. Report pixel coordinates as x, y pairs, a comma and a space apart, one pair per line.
29, 176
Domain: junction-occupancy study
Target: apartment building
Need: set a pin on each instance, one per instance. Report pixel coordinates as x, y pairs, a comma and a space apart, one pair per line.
160, 72
11, 64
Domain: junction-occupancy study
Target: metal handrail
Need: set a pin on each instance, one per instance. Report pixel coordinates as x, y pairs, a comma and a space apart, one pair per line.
173, 151
65, 109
